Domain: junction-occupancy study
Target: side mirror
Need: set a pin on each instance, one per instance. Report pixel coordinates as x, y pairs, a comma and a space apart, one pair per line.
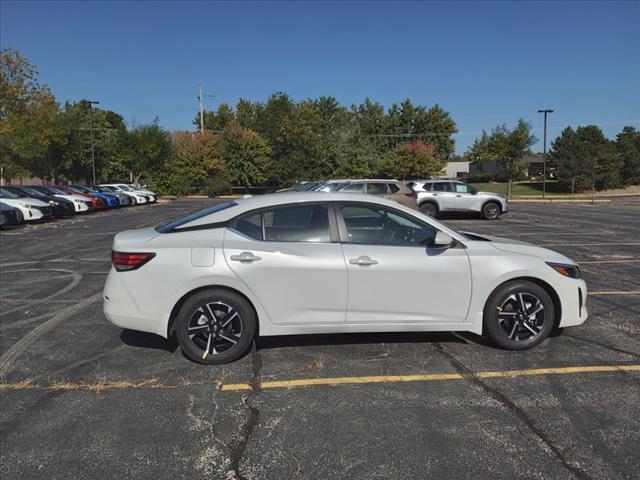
443, 240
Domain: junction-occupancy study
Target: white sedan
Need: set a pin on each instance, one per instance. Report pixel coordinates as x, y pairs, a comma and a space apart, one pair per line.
31, 209
302, 263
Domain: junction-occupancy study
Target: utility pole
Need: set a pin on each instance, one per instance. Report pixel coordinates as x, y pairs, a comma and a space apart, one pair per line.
544, 154
93, 156
201, 99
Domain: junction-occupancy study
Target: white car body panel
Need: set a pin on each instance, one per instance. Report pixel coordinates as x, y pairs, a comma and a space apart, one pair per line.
299, 287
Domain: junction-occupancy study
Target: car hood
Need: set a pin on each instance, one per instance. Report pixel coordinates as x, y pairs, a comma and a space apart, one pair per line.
24, 201
523, 248
71, 196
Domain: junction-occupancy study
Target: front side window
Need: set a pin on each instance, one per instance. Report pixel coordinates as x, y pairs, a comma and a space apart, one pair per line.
380, 226
300, 223
461, 188
376, 188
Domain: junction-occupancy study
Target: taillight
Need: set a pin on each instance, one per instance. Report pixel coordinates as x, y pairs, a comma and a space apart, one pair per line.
411, 194
125, 261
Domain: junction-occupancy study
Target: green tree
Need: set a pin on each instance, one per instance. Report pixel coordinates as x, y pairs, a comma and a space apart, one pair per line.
566, 156
247, 155
628, 148
145, 149
28, 111
414, 160
507, 147
600, 158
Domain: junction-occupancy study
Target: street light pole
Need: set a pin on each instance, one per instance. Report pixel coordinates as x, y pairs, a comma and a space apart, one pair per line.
544, 154
93, 157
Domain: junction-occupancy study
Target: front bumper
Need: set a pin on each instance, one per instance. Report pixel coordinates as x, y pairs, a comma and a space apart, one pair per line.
573, 300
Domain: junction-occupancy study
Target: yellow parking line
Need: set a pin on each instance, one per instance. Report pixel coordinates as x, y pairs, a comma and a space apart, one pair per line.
616, 292
308, 382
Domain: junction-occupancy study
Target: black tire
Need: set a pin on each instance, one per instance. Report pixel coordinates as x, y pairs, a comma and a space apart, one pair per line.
429, 209
194, 316
505, 322
491, 211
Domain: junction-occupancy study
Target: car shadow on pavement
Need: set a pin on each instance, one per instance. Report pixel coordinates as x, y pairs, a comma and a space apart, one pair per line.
148, 340
361, 339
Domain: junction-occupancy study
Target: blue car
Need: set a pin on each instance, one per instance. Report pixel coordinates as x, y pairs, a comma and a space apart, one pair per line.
111, 201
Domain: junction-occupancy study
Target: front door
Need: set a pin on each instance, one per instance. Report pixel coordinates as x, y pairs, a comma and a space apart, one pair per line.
286, 257
395, 275
466, 201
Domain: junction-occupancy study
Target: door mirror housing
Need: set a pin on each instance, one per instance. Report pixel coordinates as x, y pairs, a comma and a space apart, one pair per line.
443, 240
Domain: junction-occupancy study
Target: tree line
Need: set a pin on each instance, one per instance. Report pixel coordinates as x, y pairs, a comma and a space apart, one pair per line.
271, 143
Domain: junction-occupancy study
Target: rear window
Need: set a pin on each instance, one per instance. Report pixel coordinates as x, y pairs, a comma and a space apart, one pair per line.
175, 224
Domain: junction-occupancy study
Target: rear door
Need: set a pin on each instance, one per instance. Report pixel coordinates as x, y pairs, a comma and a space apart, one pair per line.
395, 276
292, 262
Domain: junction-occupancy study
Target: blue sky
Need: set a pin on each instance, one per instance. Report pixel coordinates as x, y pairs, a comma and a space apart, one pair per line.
485, 62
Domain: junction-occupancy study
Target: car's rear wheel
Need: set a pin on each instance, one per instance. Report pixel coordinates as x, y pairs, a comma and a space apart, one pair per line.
491, 211
215, 326
429, 209
519, 315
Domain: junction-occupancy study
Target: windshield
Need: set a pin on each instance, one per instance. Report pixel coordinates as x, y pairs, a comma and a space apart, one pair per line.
33, 192
108, 189
56, 191
174, 224
7, 194
126, 188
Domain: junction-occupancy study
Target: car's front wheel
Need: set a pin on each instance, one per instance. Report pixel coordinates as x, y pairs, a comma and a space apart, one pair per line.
215, 326
519, 315
491, 211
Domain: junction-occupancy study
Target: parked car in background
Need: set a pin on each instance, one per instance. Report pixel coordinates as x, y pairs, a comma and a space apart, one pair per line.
123, 198
454, 196
80, 203
416, 185
300, 187
139, 197
306, 263
96, 202
391, 189
150, 196
330, 185
111, 201
136, 199
32, 209
12, 216
61, 207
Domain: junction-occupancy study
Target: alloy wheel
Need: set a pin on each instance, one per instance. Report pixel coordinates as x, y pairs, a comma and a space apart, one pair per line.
215, 328
491, 211
521, 317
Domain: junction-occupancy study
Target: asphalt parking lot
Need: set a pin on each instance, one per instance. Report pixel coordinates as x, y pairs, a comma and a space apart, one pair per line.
82, 398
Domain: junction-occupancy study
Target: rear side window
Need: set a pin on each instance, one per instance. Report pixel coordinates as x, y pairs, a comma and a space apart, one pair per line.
300, 223
393, 188
441, 187
377, 188
427, 187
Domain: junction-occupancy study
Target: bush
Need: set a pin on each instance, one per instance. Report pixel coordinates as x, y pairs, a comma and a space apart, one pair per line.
217, 186
479, 178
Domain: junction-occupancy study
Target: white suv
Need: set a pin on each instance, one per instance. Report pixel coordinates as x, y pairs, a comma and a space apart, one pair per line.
451, 196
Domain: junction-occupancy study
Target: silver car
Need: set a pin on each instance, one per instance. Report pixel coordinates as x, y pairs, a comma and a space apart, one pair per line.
451, 196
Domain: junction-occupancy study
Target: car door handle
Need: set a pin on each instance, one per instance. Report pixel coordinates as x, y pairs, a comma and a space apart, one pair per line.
245, 257
458, 195
363, 261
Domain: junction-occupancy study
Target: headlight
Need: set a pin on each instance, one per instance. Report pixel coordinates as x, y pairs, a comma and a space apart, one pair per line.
571, 271
27, 205
53, 202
